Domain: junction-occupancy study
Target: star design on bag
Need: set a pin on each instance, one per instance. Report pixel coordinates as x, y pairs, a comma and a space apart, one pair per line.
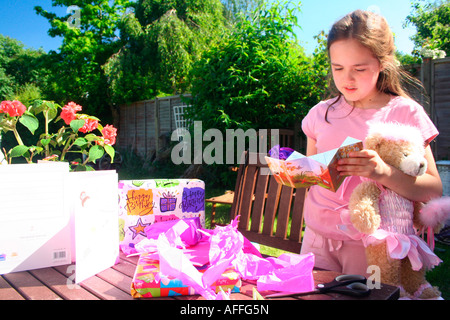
138, 228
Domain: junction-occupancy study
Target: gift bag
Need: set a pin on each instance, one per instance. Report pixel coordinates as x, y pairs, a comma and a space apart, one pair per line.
145, 202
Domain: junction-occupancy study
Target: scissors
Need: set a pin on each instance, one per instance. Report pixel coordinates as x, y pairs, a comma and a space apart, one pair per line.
351, 285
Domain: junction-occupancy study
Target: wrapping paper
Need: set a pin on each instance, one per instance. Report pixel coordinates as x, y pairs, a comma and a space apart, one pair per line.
182, 247
148, 283
143, 203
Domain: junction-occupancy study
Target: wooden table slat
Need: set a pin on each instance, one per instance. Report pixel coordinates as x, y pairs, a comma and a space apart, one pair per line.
101, 288
64, 286
118, 279
126, 268
30, 287
105, 290
8, 292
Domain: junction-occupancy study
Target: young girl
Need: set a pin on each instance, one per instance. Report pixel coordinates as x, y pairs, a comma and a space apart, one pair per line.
368, 80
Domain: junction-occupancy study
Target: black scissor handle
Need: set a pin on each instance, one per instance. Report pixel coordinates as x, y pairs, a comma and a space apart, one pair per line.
355, 289
341, 281
352, 285
351, 278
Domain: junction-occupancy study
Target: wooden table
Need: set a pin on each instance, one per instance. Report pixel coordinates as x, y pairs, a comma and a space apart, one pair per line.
56, 283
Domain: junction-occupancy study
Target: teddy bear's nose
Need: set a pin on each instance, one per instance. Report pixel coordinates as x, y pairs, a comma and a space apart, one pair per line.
422, 164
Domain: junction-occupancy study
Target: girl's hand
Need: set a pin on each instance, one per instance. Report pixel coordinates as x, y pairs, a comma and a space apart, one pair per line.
364, 163
367, 163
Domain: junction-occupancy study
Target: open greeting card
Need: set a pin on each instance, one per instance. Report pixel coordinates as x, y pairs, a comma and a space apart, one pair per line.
34, 216
299, 171
50, 216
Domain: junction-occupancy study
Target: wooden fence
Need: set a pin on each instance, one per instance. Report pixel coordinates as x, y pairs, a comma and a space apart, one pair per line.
440, 100
435, 77
146, 126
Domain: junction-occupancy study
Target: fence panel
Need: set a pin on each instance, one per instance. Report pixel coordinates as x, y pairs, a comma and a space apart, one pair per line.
441, 106
146, 126
435, 77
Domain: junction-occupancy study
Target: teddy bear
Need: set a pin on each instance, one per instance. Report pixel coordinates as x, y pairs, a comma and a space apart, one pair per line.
388, 222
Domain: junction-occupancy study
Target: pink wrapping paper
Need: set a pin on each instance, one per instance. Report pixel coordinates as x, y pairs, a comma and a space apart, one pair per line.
292, 273
149, 283
182, 245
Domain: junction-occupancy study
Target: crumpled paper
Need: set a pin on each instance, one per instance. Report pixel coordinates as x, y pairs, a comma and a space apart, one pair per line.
182, 244
291, 273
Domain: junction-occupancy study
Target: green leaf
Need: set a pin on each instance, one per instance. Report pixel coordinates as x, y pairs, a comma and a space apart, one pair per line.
110, 150
76, 125
52, 113
29, 121
91, 137
37, 106
18, 151
96, 152
45, 142
81, 142
35, 149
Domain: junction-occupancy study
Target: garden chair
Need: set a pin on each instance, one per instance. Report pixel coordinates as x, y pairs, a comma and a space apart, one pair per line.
285, 139
269, 213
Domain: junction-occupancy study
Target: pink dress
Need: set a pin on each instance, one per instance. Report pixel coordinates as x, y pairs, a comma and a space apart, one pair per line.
397, 230
323, 207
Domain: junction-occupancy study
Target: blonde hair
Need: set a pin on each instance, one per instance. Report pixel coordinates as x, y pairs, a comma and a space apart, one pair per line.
373, 32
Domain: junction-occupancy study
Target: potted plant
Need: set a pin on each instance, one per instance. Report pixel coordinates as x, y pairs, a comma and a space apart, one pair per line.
80, 135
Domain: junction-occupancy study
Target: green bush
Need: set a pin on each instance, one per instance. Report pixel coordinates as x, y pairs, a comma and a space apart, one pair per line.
257, 77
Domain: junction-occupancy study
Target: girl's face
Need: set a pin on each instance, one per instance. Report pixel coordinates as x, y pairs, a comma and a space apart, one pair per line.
355, 72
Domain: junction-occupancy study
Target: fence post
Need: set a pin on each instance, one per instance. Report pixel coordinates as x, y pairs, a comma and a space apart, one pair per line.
157, 125
145, 130
426, 79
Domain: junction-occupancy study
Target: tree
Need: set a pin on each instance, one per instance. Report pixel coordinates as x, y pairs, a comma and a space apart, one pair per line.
258, 77
22, 71
432, 21
236, 10
162, 41
89, 40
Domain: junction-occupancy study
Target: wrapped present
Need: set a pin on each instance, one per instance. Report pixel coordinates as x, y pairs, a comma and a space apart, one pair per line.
179, 254
148, 282
145, 202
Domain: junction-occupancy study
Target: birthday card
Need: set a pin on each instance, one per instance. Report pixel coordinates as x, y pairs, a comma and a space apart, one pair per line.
300, 171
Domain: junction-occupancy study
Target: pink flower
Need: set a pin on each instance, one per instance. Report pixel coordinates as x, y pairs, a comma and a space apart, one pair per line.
89, 125
52, 157
68, 112
12, 108
109, 134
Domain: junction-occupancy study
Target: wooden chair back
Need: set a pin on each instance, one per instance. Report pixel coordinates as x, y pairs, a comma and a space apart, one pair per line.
270, 214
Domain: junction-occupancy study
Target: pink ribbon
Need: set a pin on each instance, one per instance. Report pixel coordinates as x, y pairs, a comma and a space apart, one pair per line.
400, 246
430, 236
